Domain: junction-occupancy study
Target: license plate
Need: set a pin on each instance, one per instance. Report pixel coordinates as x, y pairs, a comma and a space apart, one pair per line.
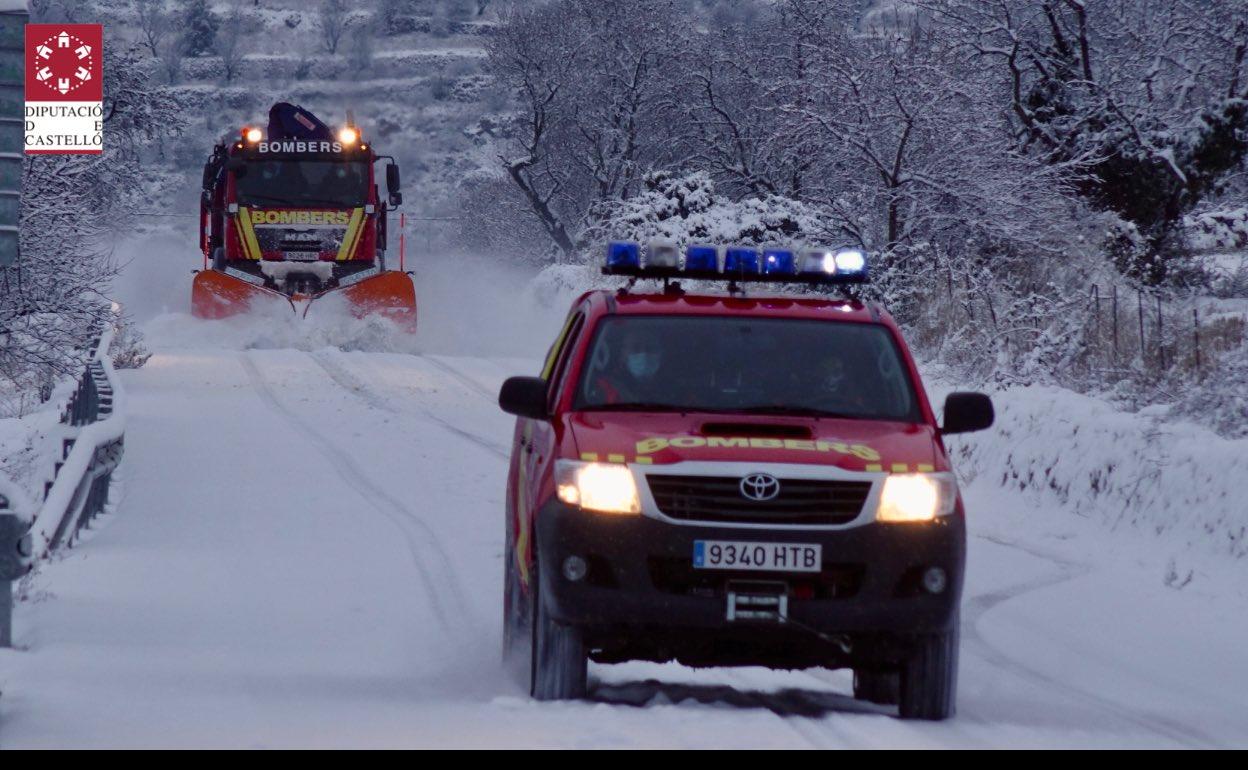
774, 557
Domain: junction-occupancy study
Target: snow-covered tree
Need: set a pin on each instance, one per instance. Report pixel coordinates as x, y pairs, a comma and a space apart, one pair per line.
73, 206
199, 29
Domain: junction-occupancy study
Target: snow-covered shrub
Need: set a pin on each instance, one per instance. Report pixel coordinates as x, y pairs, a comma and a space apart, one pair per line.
1218, 229
1220, 400
685, 209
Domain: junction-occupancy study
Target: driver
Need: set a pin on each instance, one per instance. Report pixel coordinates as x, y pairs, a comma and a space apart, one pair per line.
630, 372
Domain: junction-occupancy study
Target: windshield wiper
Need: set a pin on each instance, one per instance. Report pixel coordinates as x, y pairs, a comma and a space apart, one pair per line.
258, 197
802, 411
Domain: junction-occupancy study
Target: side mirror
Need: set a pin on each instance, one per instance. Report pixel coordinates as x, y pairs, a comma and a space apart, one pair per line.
524, 397
210, 176
393, 185
967, 412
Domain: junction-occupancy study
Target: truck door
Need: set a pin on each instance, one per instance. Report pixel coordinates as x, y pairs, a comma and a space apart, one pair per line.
536, 446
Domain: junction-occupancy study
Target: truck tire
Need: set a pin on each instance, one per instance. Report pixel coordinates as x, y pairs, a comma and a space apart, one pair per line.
512, 599
882, 687
218, 258
929, 678
559, 665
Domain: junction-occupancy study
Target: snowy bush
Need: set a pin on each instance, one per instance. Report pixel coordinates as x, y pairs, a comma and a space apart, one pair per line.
686, 209
1220, 400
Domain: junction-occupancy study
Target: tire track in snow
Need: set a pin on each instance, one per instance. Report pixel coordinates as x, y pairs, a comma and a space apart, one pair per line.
429, 556
980, 605
467, 381
353, 384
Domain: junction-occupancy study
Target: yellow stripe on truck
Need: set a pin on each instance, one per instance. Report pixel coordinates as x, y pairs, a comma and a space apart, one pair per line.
251, 247
353, 234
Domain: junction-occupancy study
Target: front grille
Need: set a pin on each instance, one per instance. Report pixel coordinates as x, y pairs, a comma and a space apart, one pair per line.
291, 245
719, 499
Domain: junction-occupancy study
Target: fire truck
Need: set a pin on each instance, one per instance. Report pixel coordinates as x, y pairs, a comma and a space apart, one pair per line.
735, 478
292, 214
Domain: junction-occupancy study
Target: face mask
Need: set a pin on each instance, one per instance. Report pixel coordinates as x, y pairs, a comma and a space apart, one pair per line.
642, 365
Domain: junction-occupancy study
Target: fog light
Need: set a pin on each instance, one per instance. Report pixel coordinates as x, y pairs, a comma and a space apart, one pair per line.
575, 568
934, 580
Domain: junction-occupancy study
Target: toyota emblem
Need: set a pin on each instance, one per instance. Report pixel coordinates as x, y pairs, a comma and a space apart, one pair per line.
759, 487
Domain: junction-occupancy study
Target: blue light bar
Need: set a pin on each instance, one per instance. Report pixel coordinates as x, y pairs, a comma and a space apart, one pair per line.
623, 255
702, 259
779, 262
810, 266
740, 260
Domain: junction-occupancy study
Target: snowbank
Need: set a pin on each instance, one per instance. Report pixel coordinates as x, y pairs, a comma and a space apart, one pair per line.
1143, 472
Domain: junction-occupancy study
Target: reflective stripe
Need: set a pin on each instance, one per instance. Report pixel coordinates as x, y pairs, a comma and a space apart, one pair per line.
242, 239
251, 248
553, 355
353, 234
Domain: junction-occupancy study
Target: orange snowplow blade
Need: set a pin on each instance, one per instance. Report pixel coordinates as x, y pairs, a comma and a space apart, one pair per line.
389, 295
217, 295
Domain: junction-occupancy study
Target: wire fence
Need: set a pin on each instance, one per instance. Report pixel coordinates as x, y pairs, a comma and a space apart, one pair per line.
1134, 331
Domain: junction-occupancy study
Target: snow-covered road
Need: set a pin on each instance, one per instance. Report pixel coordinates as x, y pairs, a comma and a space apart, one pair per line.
308, 553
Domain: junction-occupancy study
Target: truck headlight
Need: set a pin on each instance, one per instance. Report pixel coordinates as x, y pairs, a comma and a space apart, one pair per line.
908, 497
600, 487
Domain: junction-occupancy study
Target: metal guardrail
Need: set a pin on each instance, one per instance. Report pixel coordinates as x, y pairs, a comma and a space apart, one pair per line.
92, 444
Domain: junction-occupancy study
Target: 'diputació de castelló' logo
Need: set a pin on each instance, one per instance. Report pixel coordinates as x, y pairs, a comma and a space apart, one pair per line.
64, 88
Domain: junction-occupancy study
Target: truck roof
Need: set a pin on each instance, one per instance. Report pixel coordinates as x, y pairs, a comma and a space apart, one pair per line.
685, 303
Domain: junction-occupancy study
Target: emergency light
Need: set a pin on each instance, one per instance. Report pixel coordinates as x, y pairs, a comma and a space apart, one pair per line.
821, 266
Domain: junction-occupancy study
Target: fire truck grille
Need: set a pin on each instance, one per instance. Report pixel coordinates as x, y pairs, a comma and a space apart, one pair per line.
309, 246
719, 499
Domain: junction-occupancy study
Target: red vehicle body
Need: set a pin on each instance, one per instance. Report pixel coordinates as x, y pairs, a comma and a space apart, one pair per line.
295, 219
642, 594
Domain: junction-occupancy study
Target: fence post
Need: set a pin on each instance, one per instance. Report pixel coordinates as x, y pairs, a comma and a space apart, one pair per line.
1196, 335
1113, 291
1161, 336
14, 547
1139, 306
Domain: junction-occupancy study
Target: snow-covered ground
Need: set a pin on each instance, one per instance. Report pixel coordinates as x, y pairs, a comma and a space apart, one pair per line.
307, 551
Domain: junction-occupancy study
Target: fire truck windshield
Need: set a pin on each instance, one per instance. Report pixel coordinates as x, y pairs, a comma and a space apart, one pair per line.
746, 366
302, 183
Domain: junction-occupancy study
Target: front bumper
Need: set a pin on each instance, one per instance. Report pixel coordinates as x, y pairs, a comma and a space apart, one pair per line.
642, 598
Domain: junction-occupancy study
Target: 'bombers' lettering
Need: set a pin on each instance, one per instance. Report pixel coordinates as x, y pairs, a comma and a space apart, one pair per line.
654, 444
300, 217
292, 145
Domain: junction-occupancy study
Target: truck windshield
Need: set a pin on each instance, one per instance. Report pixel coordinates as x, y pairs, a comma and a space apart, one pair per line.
746, 366
302, 183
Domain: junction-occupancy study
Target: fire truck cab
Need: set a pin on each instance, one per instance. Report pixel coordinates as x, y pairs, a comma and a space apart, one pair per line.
731, 479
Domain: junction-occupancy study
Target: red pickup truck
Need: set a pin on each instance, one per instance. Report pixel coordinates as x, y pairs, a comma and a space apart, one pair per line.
732, 479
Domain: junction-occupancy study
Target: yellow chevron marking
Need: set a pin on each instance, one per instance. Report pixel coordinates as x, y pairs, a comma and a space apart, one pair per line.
353, 234
251, 248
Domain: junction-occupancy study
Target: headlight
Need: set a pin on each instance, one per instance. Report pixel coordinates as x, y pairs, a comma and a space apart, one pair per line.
601, 487
917, 497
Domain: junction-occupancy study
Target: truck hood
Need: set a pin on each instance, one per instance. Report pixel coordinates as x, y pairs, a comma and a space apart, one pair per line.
664, 438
